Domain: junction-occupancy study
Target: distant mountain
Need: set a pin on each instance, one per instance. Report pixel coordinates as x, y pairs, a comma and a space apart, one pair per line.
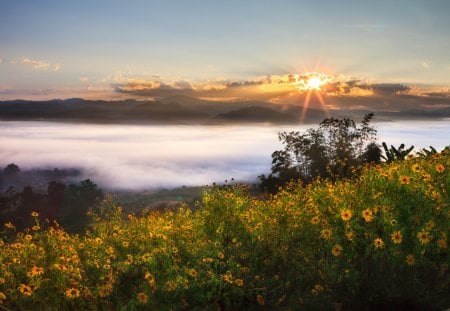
256, 114
188, 110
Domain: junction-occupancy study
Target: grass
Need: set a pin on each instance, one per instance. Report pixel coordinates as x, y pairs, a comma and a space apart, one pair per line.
376, 241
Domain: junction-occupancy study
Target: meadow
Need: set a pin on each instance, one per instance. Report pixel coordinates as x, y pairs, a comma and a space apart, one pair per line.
378, 240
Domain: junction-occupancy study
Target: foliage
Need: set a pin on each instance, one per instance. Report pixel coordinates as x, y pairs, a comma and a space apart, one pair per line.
67, 205
331, 151
349, 244
396, 154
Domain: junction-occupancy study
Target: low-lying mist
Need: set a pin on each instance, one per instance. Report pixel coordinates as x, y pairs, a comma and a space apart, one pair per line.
139, 157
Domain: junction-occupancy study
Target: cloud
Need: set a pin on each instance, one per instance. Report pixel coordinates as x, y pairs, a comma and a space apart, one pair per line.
154, 88
36, 64
425, 65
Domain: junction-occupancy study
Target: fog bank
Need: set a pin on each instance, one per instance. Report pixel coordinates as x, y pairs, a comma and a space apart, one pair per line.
142, 157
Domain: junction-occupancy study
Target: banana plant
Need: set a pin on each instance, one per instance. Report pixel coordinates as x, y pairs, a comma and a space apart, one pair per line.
395, 154
426, 153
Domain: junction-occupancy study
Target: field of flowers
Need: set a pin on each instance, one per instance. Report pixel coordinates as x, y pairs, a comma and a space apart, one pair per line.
379, 240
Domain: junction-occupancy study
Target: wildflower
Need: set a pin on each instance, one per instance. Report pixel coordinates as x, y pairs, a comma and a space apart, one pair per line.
442, 242
9, 225
397, 237
429, 225
193, 273
315, 220
404, 180
346, 215
142, 298
367, 215
2, 298
260, 299
440, 168
72, 293
426, 176
337, 250
317, 289
350, 235
227, 277
34, 214
416, 168
28, 237
424, 237
220, 255
239, 282
35, 228
36, 271
207, 260
25, 290
378, 243
410, 260
326, 234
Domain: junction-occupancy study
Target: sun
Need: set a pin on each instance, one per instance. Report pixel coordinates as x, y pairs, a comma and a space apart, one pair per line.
311, 81
308, 84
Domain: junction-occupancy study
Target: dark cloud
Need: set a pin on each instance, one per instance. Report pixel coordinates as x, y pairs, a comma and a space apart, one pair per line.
154, 89
389, 88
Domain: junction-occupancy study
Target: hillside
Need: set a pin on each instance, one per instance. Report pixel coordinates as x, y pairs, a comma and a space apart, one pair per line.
353, 244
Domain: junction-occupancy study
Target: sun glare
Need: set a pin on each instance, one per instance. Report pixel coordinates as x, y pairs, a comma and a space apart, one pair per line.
311, 81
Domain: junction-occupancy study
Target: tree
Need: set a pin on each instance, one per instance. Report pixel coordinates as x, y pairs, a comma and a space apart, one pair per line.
330, 151
11, 169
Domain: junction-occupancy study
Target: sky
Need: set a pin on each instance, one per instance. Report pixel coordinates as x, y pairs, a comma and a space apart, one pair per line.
116, 49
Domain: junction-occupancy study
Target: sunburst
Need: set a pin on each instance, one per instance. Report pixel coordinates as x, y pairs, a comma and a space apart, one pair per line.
311, 82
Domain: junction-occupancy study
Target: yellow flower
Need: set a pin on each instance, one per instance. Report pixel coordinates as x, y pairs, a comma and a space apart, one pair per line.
239, 282
326, 234
25, 290
440, 168
72, 293
429, 225
397, 237
404, 180
142, 298
34, 214
315, 220
193, 273
317, 289
9, 225
2, 298
442, 242
416, 168
220, 255
36, 271
346, 214
378, 243
227, 277
426, 176
337, 250
35, 228
424, 237
410, 260
367, 215
260, 299
350, 235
